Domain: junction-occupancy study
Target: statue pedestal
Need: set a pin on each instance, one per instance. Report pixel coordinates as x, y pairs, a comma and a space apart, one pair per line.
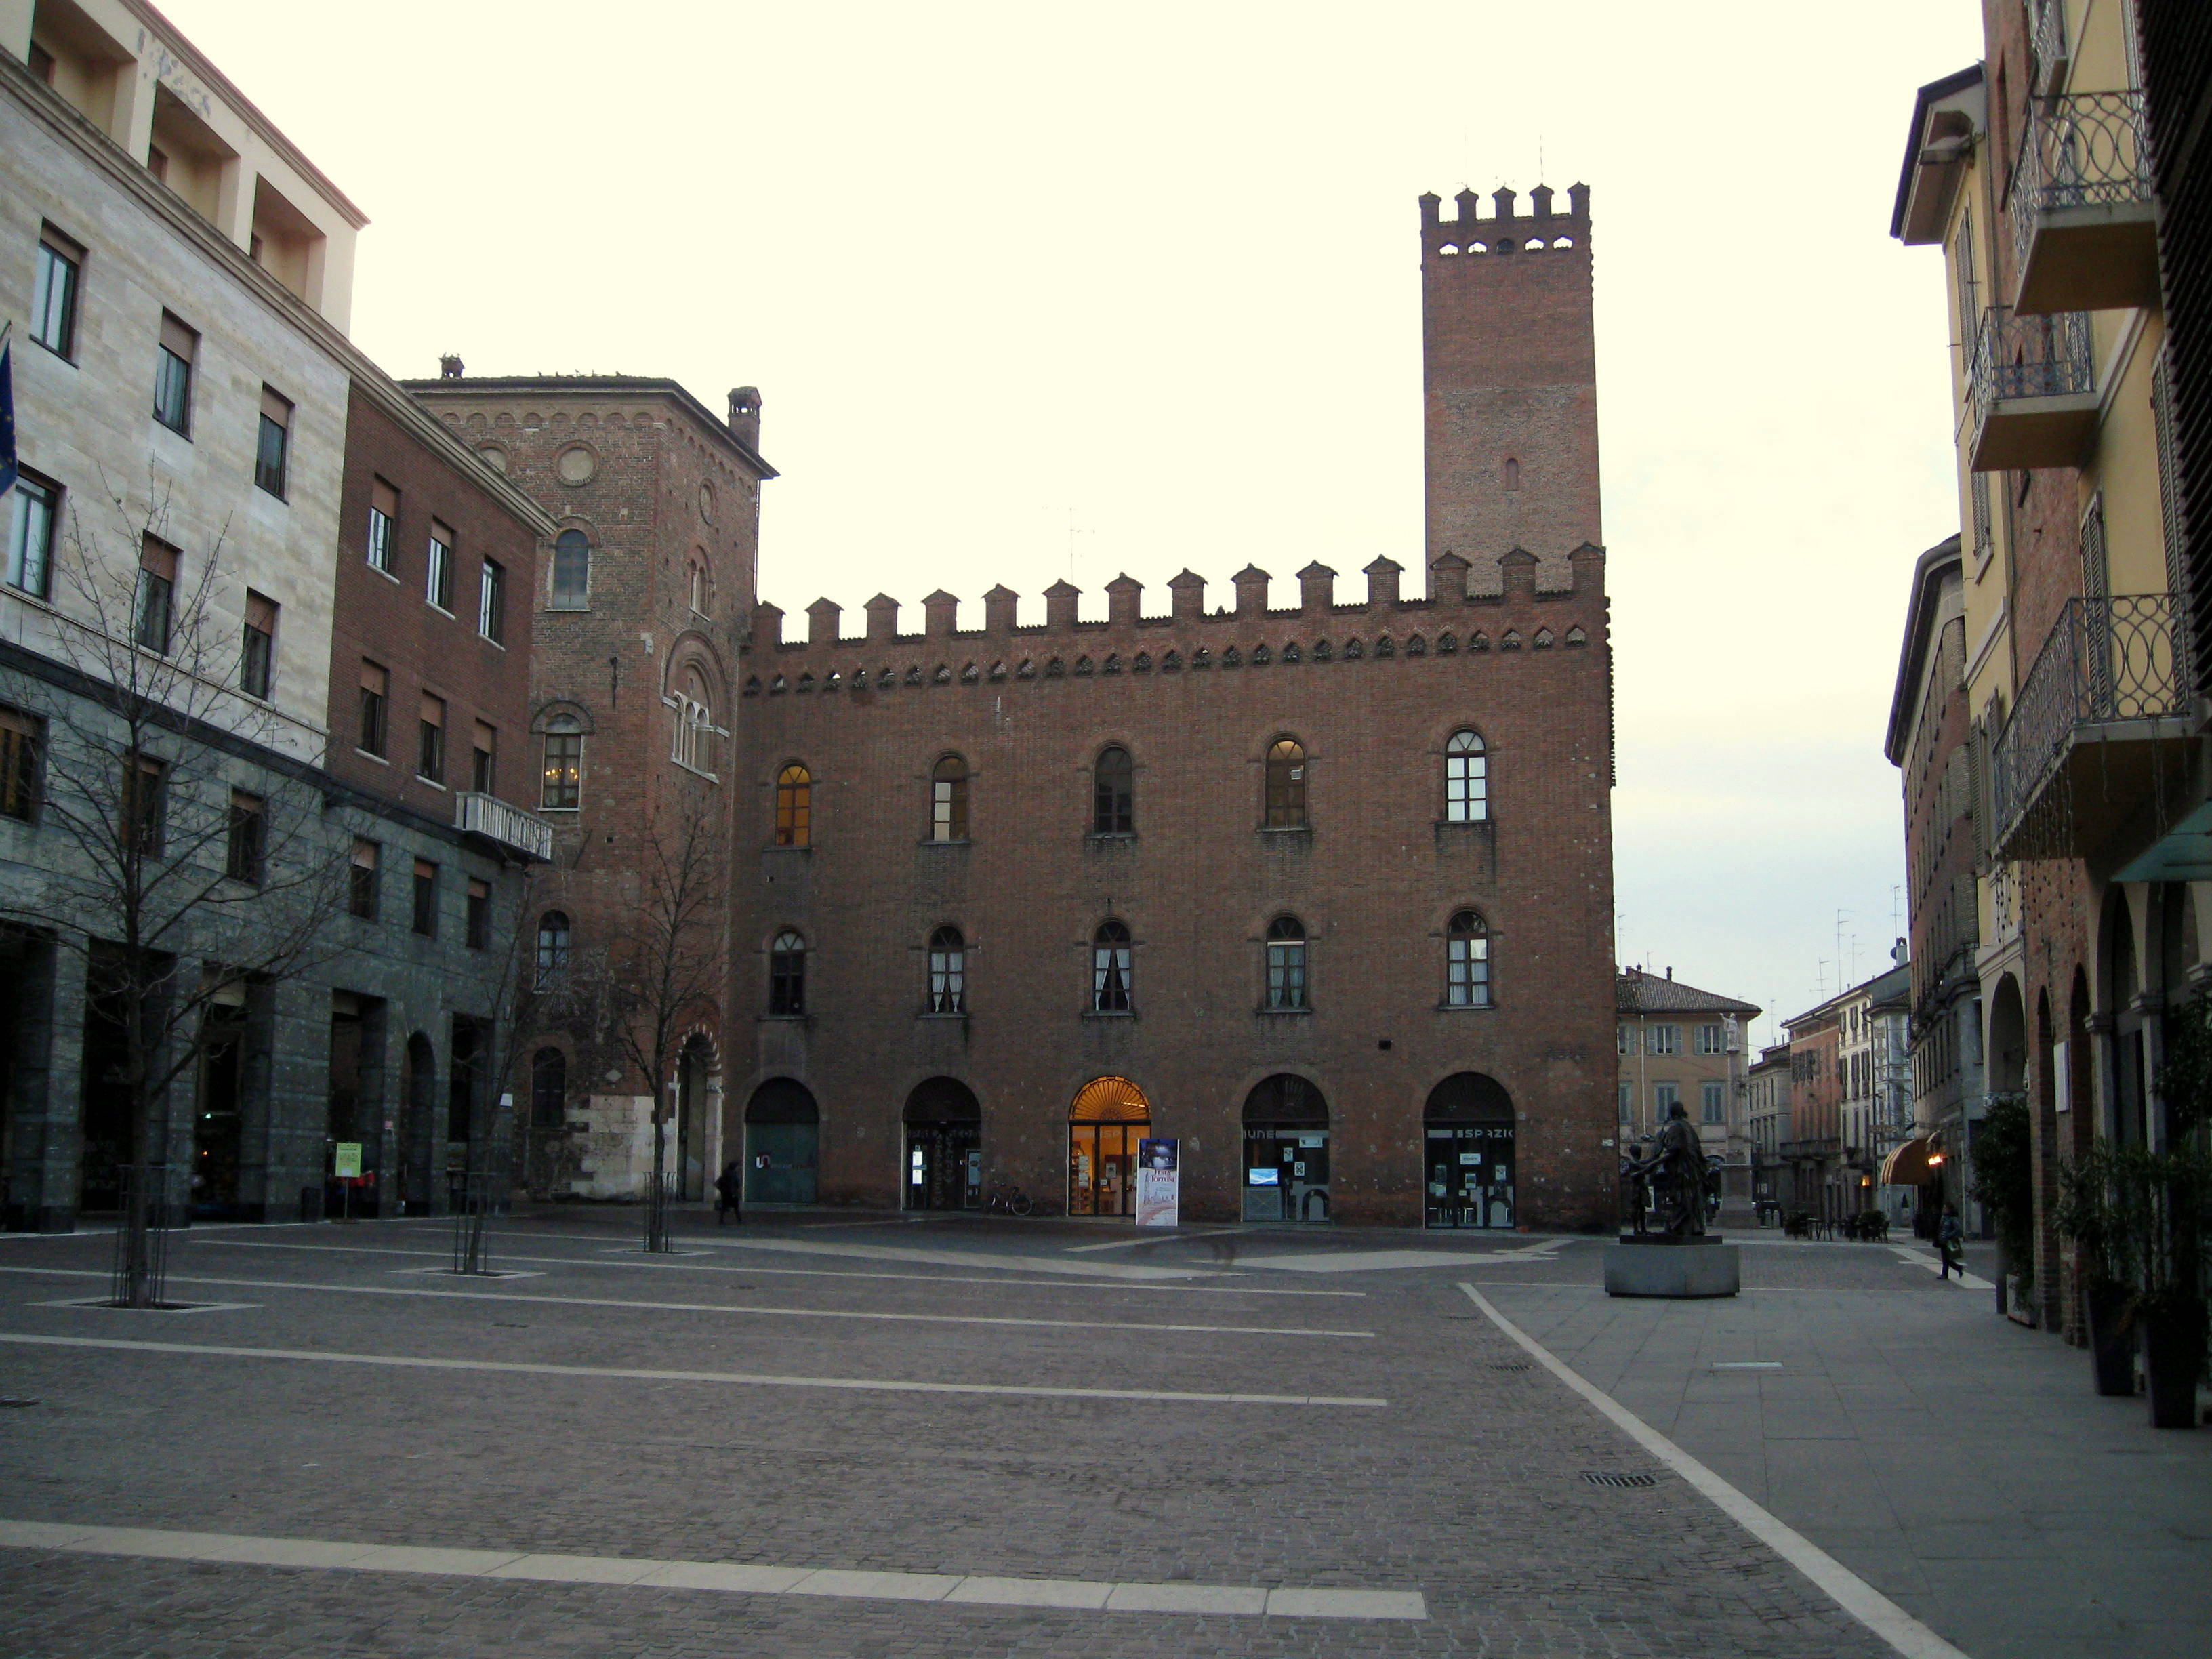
1683, 1271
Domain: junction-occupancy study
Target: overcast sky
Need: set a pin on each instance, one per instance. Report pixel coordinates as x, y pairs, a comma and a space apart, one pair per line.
1034, 288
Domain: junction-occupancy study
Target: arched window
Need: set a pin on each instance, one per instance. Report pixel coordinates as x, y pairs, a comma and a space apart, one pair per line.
699, 583
786, 974
1467, 962
552, 947
1286, 785
794, 806
1512, 473
1111, 980
1466, 779
948, 972
572, 571
1287, 963
695, 722
548, 1089
563, 789
948, 799
1113, 796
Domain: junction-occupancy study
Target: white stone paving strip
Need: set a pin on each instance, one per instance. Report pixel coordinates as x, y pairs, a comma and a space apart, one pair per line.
638, 1259
1881, 1615
1966, 1281
728, 1577
697, 1307
866, 1385
1361, 1261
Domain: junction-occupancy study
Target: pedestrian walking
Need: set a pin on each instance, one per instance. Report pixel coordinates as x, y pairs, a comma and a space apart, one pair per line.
1950, 1242
730, 1192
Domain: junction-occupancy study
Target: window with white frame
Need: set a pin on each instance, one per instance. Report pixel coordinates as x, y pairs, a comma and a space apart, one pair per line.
1466, 779
695, 722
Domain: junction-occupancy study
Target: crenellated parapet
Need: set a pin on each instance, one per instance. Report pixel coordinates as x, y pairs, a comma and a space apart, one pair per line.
1190, 638
1505, 229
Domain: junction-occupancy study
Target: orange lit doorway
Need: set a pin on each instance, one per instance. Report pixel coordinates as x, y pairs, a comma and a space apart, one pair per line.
1109, 1117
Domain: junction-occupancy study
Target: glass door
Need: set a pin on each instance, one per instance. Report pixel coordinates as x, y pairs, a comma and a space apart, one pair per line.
1101, 1168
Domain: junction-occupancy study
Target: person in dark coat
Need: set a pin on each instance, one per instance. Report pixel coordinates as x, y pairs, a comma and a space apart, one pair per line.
1950, 1244
730, 1192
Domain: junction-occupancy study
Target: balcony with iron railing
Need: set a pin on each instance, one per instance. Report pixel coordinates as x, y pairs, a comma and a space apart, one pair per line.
515, 832
2083, 233
2053, 53
2099, 726
2031, 385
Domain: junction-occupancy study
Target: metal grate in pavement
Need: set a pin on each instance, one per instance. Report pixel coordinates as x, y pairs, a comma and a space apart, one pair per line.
1608, 1477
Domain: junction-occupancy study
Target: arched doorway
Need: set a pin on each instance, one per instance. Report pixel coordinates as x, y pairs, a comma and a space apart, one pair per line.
783, 1141
1468, 1135
944, 1146
1285, 1150
694, 1070
1111, 1115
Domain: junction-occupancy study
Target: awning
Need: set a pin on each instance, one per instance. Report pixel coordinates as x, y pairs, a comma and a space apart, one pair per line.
1910, 1164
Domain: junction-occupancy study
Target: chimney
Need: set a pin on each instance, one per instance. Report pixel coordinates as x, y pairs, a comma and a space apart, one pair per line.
1382, 582
1251, 583
1670, 970
449, 367
1316, 589
1448, 579
998, 609
1188, 596
882, 618
767, 623
1059, 604
1125, 596
822, 622
941, 608
744, 415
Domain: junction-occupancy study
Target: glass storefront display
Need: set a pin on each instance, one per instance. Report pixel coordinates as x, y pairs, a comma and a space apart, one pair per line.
1109, 1117
944, 1146
1285, 1150
1468, 1140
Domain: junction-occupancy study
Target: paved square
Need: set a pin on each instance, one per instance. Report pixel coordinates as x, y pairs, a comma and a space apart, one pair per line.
962, 1438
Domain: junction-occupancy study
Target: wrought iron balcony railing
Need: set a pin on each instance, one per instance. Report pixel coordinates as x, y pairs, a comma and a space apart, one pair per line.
2107, 661
2082, 150
2019, 365
511, 827
2052, 53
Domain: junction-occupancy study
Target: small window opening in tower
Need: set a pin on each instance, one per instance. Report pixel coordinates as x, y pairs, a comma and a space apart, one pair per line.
1512, 473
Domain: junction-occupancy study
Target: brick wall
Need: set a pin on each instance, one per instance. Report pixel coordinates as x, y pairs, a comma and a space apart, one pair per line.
1374, 882
1510, 377
389, 619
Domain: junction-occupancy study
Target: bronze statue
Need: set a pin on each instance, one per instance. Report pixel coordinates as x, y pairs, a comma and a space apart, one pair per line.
1671, 1182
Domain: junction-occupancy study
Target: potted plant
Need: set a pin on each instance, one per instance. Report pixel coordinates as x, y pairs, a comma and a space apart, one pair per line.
2107, 1239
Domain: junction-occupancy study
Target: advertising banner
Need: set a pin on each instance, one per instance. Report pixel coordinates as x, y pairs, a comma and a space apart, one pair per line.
1159, 1191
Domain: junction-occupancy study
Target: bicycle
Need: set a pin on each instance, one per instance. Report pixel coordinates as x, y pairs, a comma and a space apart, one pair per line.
1009, 1200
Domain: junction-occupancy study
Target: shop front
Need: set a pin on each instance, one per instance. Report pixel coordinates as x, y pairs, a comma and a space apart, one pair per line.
1468, 1137
944, 1146
1109, 1117
1285, 1150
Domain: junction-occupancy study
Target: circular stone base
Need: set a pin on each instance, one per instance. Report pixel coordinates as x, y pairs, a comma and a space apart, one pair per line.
1682, 1271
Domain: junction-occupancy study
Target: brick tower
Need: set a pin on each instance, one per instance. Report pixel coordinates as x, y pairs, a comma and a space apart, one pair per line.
1510, 379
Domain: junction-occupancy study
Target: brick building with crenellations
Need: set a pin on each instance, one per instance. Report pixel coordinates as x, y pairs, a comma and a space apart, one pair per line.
1321, 890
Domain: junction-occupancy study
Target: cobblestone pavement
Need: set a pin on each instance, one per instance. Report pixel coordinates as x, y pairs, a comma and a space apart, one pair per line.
1468, 1485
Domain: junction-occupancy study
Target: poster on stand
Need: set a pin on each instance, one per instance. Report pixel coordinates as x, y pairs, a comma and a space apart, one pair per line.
1159, 1192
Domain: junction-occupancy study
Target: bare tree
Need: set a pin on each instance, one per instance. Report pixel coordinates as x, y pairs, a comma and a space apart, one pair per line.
177, 884
666, 963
